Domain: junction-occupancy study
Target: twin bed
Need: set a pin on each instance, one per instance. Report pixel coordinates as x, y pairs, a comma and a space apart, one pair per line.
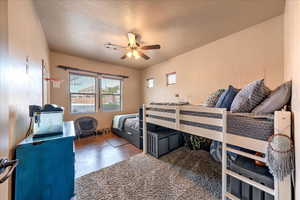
128, 127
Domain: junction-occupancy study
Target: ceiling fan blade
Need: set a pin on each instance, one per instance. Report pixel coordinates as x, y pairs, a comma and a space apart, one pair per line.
114, 46
149, 47
123, 57
131, 39
143, 55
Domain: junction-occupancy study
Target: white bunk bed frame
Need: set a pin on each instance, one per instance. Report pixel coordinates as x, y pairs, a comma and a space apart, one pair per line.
282, 119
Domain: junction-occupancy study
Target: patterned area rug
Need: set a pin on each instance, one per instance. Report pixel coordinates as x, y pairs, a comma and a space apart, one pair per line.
180, 175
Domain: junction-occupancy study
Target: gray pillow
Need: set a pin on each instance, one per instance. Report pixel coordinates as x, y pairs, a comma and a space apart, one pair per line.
214, 97
278, 98
250, 96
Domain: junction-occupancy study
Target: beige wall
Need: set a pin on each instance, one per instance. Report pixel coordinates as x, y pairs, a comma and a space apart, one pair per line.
254, 53
25, 38
4, 137
292, 71
60, 96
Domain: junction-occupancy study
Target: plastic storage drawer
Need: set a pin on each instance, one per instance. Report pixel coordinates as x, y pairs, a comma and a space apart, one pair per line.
162, 142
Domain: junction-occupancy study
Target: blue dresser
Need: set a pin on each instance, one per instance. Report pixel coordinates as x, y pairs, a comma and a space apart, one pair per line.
46, 167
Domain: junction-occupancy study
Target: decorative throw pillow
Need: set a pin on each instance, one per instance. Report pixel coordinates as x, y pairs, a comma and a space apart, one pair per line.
227, 97
277, 99
213, 98
250, 96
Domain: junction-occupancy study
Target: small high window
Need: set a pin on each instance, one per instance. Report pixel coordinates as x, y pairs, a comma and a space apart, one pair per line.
150, 82
171, 78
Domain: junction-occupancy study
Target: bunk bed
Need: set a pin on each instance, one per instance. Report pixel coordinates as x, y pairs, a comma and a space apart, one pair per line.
220, 125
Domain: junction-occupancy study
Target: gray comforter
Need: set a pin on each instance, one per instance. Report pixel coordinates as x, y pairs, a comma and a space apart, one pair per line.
132, 123
119, 120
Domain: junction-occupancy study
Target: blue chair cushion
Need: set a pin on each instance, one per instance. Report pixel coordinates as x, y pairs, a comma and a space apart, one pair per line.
227, 97
86, 125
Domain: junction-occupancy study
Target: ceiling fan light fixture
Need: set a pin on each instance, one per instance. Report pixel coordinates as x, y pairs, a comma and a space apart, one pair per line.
129, 54
136, 54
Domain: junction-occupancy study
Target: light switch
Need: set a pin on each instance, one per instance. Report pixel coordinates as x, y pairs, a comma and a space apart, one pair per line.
27, 65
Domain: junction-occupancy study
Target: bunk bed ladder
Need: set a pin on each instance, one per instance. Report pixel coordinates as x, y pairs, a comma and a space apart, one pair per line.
282, 189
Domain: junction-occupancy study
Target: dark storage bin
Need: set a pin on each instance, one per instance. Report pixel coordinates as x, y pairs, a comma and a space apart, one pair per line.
175, 141
246, 167
163, 141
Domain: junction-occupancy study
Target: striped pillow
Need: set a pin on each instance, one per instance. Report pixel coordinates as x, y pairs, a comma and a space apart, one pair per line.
250, 96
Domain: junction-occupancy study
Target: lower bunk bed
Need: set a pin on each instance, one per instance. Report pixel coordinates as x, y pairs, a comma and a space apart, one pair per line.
238, 130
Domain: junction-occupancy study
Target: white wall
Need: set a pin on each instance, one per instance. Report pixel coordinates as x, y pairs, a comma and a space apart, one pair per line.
292, 71
254, 53
25, 38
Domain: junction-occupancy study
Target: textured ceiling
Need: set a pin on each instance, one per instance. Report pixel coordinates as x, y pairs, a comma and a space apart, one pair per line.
82, 27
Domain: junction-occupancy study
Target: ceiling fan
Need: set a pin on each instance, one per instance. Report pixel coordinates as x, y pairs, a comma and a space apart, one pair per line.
134, 49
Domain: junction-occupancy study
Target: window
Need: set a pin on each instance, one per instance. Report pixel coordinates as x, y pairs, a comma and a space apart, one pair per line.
110, 95
82, 93
150, 83
171, 78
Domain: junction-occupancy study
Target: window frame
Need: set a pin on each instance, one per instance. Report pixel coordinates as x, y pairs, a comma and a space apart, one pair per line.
167, 77
78, 93
101, 94
147, 81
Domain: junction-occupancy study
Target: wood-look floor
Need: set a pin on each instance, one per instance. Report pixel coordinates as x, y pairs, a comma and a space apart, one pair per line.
97, 152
